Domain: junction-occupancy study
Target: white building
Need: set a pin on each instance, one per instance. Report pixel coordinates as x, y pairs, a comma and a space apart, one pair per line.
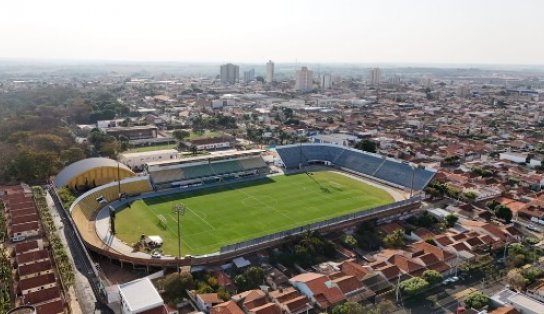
303, 79
326, 81
230, 73
249, 75
336, 139
269, 71
140, 296
375, 76
137, 160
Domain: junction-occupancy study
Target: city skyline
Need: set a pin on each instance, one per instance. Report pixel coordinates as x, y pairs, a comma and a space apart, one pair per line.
425, 32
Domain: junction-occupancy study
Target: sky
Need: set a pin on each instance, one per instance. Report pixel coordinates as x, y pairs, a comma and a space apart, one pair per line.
344, 31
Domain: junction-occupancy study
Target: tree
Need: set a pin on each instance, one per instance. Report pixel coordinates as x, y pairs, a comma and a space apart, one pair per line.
504, 213
66, 197
413, 286
432, 276
348, 308
251, 278
477, 300
450, 220
240, 281
174, 286
255, 276
180, 135
470, 196
366, 145
349, 241
532, 273
394, 239
71, 155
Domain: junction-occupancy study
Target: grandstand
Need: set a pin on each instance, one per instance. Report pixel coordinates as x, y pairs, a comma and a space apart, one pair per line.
386, 170
208, 168
85, 207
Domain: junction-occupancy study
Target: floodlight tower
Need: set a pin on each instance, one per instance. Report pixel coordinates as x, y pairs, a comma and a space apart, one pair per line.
180, 210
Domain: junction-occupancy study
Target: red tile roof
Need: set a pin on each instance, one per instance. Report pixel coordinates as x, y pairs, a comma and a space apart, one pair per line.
297, 304
32, 256
42, 295
156, 310
407, 265
229, 307
268, 308
349, 267
54, 307
24, 227
348, 284
34, 268
324, 295
210, 298
36, 282
441, 254
283, 295
494, 231
389, 271
223, 279
25, 247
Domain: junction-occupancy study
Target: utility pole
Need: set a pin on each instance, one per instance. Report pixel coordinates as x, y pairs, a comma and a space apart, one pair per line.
413, 176
397, 293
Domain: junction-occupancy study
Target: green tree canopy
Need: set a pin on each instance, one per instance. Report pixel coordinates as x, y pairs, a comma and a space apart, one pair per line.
394, 239
413, 286
432, 276
174, 286
504, 213
450, 220
366, 145
477, 300
348, 308
180, 135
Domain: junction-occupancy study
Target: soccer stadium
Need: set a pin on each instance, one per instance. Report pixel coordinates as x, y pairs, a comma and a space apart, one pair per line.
231, 203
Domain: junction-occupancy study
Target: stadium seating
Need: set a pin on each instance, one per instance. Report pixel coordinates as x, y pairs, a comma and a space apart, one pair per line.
252, 163
359, 162
88, 205
227, 167
197, 171
393, 171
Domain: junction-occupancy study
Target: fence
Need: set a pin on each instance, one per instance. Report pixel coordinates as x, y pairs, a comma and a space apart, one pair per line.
319, 225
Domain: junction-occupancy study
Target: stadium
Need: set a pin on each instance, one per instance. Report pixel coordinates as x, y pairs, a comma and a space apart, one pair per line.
233, 202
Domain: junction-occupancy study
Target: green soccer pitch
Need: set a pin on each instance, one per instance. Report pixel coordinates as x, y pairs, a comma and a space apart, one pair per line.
241, 211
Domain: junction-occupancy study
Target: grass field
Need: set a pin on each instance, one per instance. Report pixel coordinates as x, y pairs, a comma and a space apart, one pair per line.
237, 212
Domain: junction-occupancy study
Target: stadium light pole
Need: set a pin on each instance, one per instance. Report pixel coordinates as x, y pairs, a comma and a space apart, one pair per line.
412, 185
180, 210
119, 181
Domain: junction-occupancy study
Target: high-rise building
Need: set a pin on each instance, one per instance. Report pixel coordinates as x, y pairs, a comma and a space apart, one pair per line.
269, 71
326, 81
249, 75
375, 76
230, 73
303, 79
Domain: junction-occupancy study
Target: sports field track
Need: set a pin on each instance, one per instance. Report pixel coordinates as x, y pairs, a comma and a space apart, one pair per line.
241, 211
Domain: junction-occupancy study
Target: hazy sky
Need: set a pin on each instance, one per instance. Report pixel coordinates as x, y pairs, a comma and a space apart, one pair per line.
380, 31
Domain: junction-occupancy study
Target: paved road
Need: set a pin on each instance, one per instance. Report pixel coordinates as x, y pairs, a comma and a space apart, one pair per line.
84, 275
446, 299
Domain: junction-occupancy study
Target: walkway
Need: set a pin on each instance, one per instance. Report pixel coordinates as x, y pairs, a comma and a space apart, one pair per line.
104, 233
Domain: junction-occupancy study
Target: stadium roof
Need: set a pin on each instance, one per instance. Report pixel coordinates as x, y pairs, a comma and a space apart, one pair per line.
80, 167
217, 155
